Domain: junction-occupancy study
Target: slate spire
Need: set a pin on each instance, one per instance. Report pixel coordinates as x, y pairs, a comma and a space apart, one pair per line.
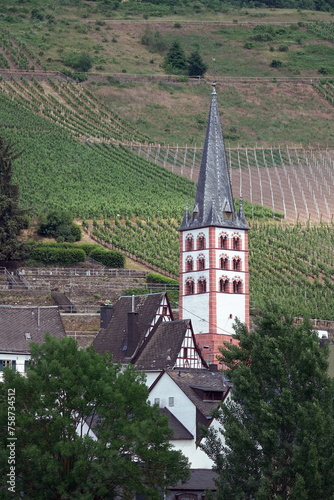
214, 204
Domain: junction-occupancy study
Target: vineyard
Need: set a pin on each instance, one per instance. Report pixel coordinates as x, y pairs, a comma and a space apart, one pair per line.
80, 155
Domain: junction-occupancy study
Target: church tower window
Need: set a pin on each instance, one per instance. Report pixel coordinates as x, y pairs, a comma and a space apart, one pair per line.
190, 287
189, 243
202, 285
223, 262
223, 284
201, 242
237, 285
236, 264
189, 264
201, 262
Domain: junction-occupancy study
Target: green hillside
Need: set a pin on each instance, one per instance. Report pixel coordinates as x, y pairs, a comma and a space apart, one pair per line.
76, 139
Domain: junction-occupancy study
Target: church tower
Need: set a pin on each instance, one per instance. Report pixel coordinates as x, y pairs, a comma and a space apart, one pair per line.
214, 280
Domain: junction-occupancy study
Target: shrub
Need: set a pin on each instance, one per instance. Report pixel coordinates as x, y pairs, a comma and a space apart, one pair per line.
159, 278
109, 258
56, 255
283, 48
78, 61
276, 63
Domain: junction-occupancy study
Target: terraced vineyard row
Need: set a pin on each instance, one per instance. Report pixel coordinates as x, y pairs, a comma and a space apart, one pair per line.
291, 265
294, 182
90, 180
72, 107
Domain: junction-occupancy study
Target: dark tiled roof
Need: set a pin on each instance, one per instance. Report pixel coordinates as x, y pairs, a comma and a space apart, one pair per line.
200, 480
16, 322
114, 337
163, 346
214, 192
190, 380
178, 429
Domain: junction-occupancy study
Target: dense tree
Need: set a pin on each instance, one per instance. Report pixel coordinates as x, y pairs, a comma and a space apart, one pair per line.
66, 393
59, 224
196, 65
12, 219
278, 432
176, 60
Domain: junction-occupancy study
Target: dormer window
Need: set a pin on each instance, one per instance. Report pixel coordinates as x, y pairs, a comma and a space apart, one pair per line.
227, 211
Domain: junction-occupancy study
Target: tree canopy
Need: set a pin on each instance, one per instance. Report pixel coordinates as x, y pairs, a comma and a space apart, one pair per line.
67, 395
277, 428
12, 219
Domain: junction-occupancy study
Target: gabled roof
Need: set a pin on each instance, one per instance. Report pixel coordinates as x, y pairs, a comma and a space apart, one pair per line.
192, 382
114, 338
179, 430
199, 481
163, 346
21, 325
214, 193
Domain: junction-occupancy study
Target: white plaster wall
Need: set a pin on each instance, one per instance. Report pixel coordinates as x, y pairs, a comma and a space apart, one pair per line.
230, 303
19, 358
196, 308
183, 409
197, 458
151, 377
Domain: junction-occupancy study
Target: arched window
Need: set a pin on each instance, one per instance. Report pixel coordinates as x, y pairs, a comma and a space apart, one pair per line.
223, 284
237, 285
200, 241
223, 240
190, 287
189, 264
223, 260
189, 242
200, 262
236, 241
201, 285
236, 263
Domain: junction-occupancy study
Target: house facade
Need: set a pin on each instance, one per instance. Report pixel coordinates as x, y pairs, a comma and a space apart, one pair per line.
21, 325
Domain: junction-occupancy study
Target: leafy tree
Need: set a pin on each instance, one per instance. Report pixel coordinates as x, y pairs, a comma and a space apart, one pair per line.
66, 388
12, 219
175, 60
278, 431
196, 65
59, 224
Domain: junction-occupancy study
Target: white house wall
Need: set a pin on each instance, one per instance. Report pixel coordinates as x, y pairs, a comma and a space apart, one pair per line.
20, 361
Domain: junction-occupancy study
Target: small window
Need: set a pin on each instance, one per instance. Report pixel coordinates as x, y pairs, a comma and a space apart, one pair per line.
236, 243
223, 241
26, 365
224, 263
7, 363
236, 264
157, 401
189, 264
189, 243
190, 288
237, 286
223, 285
202, 285
171, 401
164, 311
201, 263
185, 352
201, 242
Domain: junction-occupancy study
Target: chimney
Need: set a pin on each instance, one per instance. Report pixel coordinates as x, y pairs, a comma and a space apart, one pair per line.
133, 333
106, 312
213, 368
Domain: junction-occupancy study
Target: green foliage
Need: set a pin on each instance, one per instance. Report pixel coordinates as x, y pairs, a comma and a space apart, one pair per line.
276, 63
175, 59
12, 219
49, 255
196, 65
278, 426
110, 258
79, 61
66, 389
59, 225
159, 278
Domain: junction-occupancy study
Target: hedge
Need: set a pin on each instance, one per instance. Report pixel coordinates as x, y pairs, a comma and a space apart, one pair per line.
159, 278
57, 256
109, 258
